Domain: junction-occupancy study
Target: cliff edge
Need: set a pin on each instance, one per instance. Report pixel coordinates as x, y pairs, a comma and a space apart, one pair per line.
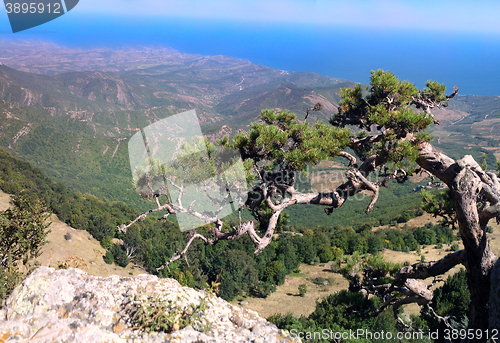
68, 305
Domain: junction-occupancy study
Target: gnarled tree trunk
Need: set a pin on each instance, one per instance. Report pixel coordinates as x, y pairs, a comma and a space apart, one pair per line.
467, 181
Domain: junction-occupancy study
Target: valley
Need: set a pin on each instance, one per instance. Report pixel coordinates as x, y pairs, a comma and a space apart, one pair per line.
71, 112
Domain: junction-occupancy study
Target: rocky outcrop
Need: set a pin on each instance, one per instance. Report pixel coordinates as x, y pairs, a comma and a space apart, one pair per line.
68, 305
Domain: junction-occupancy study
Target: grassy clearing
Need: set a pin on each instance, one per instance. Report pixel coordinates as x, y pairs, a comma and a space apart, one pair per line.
414, 222
286, 298
86, 253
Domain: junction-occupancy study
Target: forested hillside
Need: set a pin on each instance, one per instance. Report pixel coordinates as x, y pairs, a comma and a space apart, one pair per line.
232, 263
74, 127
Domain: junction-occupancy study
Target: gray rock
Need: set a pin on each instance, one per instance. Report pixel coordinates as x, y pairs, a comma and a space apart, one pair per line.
69, 305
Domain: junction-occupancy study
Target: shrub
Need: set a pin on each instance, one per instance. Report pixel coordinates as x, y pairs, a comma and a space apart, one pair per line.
155, 314
335, 267
325, 254
106, 243
68, 236
23, 229
109, 257
320, 281
302, 289
454, 247
121, 257
263, 289
275, 272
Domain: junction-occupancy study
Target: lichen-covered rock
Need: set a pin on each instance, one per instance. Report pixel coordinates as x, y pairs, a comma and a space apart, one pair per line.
69, 305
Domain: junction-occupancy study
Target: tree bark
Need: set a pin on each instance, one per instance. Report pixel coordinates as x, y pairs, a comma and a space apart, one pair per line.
464, 180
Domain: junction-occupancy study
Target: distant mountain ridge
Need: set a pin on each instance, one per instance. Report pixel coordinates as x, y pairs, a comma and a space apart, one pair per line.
74, 124
219, 87
73, 119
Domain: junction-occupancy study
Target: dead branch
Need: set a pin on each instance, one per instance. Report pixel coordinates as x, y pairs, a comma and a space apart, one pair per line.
351, 158
123, 228
355, 175
217, 234
423, 270
444, 320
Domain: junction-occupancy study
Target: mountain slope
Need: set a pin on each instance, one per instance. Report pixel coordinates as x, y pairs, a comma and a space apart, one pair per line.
81, 251
75, 125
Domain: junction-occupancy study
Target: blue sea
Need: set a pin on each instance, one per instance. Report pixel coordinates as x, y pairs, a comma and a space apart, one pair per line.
470, 61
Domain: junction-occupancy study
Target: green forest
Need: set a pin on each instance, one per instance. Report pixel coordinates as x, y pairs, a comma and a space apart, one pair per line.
342, 239
230, 267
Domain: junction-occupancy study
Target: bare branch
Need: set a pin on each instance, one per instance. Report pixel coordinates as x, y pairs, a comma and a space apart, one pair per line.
352, 159
424, 270
490, 212
130, 251
246, 227
444, 320
178, 255
123, 228
355, 175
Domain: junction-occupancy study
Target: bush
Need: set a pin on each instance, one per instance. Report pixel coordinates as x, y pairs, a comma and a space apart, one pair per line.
68, 236
155, 314
320, 281
325, 254
106, 243
121, 257
23, 229
263, 289
335, 267
109, 257
454, 247
275, 272
302, 289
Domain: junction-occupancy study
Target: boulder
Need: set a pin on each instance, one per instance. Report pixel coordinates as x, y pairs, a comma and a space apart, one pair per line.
68, 305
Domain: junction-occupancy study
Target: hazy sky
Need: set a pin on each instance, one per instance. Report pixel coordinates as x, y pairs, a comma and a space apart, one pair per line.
454, 42
457, 15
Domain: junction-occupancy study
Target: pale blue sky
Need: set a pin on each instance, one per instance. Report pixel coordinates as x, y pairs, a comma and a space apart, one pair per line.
458, 16
442, 15
455, 42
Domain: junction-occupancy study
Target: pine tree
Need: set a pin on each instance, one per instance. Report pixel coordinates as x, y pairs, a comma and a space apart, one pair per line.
380, 130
